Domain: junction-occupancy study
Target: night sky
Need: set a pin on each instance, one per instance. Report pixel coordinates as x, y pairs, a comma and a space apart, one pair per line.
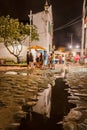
64, 11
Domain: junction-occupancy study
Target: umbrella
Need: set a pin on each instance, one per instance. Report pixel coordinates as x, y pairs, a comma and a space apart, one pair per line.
36, 47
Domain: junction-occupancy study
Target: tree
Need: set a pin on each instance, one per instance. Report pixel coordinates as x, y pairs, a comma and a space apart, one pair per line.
13, 33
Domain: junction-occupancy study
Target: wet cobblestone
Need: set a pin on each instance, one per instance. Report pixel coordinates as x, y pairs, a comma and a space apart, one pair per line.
77, 82
19, 88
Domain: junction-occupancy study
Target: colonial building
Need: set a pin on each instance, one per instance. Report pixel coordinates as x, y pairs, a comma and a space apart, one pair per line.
44, 23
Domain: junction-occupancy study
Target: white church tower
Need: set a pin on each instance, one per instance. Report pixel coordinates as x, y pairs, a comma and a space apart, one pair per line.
44, 23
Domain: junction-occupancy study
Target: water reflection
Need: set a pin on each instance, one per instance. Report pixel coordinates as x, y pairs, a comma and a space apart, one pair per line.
43, 105
31, 100
20, 91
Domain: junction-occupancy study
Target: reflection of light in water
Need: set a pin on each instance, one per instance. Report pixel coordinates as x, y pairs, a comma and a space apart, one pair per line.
43, 105
11, 72
15, 73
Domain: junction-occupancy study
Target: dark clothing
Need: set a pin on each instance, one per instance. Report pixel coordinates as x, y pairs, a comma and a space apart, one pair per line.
41, 59
31, 57
37, 59
28, 58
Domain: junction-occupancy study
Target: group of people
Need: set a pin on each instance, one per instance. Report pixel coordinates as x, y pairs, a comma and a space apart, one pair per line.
42, 60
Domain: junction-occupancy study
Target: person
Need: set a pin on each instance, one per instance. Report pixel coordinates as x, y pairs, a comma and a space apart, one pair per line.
45, 59
41, 59
37, 59
63, 59
50, 61
53, 60
31, 59
77, 58
28, 59
85, 59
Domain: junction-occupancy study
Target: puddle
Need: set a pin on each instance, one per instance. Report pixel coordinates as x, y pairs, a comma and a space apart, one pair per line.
59, 108
50, 104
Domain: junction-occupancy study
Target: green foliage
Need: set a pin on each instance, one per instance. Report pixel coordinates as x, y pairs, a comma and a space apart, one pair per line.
11, 29
25, 29
13, 33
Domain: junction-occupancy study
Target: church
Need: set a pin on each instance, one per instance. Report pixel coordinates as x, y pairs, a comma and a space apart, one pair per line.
44, 23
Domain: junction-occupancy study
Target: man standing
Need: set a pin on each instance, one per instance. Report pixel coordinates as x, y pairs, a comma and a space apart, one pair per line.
28, 59
31, 60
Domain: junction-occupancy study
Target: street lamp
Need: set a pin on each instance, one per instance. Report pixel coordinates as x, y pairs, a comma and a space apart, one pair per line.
77, 46
70, 46
30, 17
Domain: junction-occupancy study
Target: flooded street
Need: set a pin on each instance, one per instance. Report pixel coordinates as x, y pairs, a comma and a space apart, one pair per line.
19, 93
77, 82
32, 101
60, 106
41, 101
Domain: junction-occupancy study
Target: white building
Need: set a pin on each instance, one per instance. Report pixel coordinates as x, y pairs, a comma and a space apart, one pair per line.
44, 23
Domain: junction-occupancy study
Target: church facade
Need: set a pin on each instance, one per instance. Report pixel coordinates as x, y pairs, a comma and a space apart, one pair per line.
44, 23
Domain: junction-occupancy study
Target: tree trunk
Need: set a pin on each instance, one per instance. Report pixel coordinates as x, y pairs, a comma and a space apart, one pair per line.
19, 59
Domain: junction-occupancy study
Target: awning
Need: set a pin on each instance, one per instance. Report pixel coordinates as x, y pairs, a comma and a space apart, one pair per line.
36, 47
